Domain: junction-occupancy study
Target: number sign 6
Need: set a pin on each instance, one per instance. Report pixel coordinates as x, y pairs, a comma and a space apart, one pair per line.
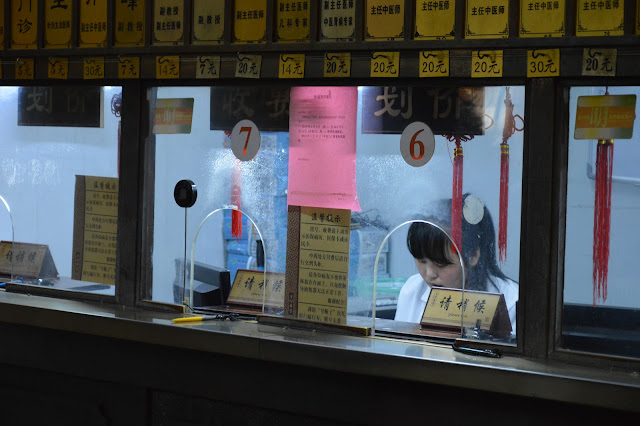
417, 144
245, 140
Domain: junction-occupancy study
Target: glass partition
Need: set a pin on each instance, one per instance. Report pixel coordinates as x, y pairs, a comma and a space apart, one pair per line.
59, 174
480, 126
601, 298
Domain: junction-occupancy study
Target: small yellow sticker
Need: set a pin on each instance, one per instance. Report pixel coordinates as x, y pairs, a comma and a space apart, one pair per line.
543, 63
93, 68
129, 67
599, 62
486, 63
208, 67
291, 66
248, 66
434, 63
25, 69
167, 67
385, 64
58, 68
337, 64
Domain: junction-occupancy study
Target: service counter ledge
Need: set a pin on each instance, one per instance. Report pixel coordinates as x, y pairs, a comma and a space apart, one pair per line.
144, 348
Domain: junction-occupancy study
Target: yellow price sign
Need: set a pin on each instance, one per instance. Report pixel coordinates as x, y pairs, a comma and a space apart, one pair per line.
385, 64
208, 67
93, 68
58, 68
291, 66
434, 63
600, 18
337, 64
599, 62
25, 69
248, 66
128, 67
543, 63
167, 67
486, 63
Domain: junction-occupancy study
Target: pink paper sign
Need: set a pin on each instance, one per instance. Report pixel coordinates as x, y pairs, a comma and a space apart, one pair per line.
322, 147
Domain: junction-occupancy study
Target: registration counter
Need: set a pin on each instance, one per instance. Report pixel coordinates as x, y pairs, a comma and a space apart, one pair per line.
69, 362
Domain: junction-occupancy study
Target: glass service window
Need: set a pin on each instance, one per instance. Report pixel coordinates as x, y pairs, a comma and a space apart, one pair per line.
601, 298
393, 189
59, 180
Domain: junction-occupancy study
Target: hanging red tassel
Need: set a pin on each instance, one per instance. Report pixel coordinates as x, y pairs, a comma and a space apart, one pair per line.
602, 219
456, 198
503, 214
236, 196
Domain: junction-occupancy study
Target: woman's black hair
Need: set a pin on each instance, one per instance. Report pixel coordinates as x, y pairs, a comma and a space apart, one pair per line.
425, 241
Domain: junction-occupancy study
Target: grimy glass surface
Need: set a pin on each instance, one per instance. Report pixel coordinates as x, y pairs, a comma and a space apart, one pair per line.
602, 316
53, 138
390, 190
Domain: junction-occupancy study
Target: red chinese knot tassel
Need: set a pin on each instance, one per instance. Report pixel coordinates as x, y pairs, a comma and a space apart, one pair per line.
504, 201
236, 197
602, 219
456, 198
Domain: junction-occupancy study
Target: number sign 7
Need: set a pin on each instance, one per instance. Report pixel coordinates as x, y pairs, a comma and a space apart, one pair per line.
245, 140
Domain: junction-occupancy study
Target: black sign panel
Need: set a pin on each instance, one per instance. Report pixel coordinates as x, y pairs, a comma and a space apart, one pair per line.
446, 110
267, 107
60, 106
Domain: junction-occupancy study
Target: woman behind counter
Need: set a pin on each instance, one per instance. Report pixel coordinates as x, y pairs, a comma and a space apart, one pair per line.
439, 265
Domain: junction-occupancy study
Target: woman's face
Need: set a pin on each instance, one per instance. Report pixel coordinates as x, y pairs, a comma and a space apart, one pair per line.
449, 275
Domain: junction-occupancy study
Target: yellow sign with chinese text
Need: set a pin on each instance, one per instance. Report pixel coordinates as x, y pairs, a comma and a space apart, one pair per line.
57, 23
58, 68
24, 24
323, 273
95, 229
543, 63
208, 67
129, 26
600, 18
487, 19
453, 308
435, 20
337, 64
167, 67
208, 22
248, 289
128, 67
337, 24
293, 20
249, 66
93, 23
291, 66
384, 20
93, 68
599, 62
168, 22
385, 64
487, 63
250, 21
25, 69
605, 117
541, 19
434, 63
26, 260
